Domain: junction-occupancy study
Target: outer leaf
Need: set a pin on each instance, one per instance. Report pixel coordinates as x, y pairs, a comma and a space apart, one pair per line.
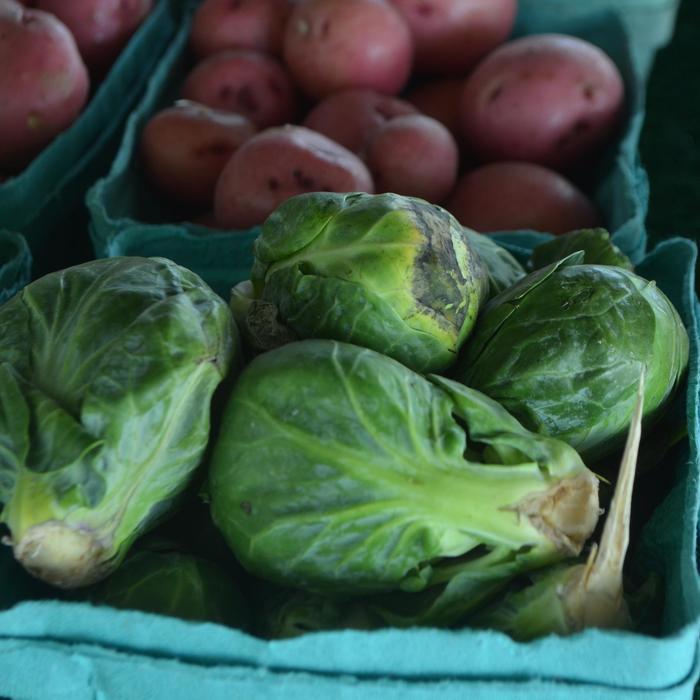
171, 583
114, 364
502, 269
289, 613
338, 469
595, 243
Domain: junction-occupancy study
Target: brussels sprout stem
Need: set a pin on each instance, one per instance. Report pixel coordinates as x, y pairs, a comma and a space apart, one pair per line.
60, 554
514, 506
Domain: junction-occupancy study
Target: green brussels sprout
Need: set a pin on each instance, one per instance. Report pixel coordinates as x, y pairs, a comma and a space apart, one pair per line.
595, 243
502, 269
289, 613
562, 350
564, 599
107, 371
391, 273
340, 470
171, 583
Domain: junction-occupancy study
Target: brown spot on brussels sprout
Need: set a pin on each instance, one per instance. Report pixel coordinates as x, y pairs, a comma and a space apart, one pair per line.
438, 278
273, 184
246, 507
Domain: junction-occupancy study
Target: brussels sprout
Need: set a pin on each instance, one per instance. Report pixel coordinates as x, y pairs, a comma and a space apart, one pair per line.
171, 583
338, 469
502, 269
595, 243
107, 370
566, 599
391, 273
561, 351
291, 613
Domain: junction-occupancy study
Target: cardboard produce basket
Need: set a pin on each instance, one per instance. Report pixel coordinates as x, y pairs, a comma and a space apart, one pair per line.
15, 264
650, 23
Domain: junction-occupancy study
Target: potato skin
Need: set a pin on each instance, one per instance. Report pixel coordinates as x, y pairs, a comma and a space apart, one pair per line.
331, 46
414, 155
246, 82
43, 83
350, 117
440, 99
184, 148
101, 28
549, 98
279, 163
219, 25
451, 36
509, 196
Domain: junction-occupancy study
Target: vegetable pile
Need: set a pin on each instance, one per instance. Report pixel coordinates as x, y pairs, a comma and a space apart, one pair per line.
428, 100
394, 423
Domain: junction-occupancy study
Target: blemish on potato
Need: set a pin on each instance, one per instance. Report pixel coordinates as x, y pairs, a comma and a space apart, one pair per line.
588, 91
303, 180
494, 94
246, 99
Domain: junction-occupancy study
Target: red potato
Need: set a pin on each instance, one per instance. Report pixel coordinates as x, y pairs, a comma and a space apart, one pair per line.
549, 98
43, 83
509, 196
331, 45
416, 156
101, 28
239, 24
440, 99
451, 36
278, 164
246, 82
350, 117
185, 147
